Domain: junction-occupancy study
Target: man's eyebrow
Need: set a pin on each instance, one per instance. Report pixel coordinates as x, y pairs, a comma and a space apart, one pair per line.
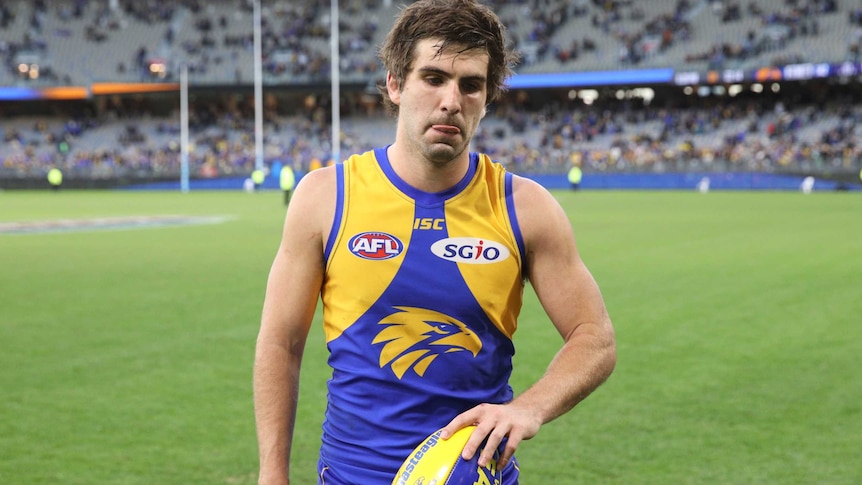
443, 73
434, 70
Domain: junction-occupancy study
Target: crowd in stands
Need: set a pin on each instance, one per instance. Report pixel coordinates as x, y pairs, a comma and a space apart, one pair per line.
215, 38
123, 39
786, 134
774, 31
713, 135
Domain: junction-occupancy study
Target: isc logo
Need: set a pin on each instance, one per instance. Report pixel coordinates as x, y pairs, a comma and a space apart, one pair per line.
471, 250
426, 223
375, 245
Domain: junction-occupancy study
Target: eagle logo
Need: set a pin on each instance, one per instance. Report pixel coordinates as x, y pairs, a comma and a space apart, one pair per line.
414, 337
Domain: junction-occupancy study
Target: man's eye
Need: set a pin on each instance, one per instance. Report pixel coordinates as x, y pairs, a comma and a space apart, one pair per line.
471, 87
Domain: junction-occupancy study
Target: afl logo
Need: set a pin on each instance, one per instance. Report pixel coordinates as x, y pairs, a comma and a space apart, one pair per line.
471, 250
375, 245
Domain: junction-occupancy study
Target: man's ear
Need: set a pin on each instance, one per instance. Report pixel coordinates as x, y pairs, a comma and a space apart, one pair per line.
393, 89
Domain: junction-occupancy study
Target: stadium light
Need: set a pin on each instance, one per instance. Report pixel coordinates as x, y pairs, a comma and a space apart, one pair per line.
158, 69
644, 94
588, 96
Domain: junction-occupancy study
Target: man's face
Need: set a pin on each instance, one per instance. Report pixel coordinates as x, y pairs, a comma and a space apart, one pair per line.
441, 100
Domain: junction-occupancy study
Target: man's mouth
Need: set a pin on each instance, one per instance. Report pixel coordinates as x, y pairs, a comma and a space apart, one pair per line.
446, 129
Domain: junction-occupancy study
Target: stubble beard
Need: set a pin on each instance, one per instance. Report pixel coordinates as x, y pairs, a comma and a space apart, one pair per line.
442, 154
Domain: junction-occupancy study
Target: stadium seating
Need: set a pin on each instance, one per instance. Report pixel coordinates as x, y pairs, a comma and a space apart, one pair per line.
79, 42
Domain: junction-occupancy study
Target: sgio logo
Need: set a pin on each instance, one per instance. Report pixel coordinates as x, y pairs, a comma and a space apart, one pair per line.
375, 245
471, 250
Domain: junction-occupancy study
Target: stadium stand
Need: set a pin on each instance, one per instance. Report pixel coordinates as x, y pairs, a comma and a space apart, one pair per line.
809, 127
83, 41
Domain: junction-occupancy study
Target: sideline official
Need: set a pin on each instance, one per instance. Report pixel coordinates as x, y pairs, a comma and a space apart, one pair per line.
55, 178
287, 180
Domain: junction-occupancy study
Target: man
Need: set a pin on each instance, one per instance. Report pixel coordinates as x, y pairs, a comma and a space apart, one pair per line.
419, 252
258, 177
55, 178
286, 180
575, 176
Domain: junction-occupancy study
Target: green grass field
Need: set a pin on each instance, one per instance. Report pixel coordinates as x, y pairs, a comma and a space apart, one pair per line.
126, 354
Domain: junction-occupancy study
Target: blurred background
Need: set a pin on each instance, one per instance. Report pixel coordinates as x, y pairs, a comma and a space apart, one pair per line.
658, 94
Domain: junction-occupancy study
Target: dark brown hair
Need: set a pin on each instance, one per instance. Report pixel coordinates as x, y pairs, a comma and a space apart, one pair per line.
461, 24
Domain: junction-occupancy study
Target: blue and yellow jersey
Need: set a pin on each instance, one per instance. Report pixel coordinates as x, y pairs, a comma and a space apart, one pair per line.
421, 297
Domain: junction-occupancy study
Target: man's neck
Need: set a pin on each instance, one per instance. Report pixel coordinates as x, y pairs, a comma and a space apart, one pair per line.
426, 175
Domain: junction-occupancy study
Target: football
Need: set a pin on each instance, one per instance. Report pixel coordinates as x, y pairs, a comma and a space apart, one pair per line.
438, 462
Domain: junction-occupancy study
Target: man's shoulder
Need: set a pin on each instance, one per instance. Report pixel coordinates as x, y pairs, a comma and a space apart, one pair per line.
315, 189
525, 187
535, 205
364, 157
318, 179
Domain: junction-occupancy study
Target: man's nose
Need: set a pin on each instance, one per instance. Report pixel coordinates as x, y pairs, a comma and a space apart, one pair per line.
451, 101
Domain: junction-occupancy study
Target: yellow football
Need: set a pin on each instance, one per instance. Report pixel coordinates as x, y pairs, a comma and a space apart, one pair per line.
436, 461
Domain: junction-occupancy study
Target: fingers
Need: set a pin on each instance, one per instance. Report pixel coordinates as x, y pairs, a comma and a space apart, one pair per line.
470, 417
496, 424
492, 444
509, 451
463, 419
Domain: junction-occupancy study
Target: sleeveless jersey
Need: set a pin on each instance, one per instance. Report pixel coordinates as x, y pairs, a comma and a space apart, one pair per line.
421, 296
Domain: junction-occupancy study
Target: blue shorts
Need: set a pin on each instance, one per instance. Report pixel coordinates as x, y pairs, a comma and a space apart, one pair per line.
337, 475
